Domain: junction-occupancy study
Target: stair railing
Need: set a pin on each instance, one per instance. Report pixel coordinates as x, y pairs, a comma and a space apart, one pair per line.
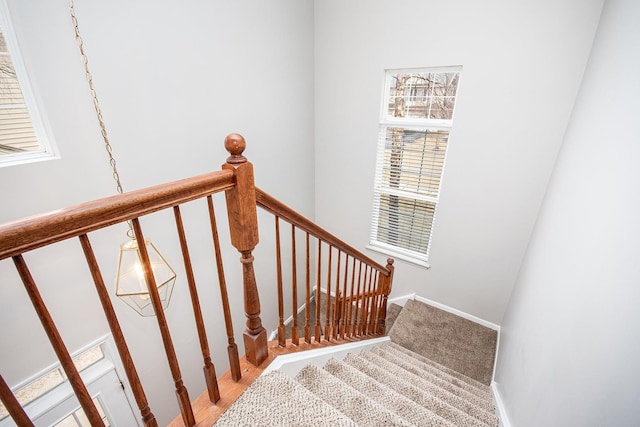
352, 287
356, 286
29, 234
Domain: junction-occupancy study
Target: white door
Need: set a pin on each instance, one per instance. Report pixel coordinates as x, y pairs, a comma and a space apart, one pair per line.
110, 400
49, 400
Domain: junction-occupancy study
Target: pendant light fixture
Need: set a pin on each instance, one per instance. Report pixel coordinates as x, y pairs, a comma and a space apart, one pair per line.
131, 285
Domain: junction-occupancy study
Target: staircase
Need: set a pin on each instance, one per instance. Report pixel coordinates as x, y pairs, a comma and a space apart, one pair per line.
387, 385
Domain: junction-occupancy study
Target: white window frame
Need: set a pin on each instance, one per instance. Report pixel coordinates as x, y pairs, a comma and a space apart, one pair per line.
48, 149
388, 121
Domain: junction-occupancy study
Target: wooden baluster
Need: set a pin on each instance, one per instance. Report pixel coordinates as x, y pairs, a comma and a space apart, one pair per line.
336, 303
181, 391
354, 302
318, 333
371, 300
13, 406
60, 349
243, 226
386, 290
369, 304
327, 321
282, 339
307, 303
208, 368
148, 418
374, 305
351, 298
295, 340
358, 314
343, 307
363, 301
232, 347
380, 278
365, 297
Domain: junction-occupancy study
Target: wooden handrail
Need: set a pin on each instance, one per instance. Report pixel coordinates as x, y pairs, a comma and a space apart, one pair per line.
276, 207
355, 311
27, 234
350, 315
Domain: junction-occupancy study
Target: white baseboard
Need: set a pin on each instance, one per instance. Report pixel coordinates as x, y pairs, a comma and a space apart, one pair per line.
500, 408
458, 313
290, 364
401, 301
274, 334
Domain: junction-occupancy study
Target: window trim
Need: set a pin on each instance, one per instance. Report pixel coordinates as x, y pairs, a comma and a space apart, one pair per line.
49, 150
388, 121
109, 364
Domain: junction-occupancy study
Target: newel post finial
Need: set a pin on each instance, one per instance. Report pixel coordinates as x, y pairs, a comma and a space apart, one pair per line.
243, 229
235, 145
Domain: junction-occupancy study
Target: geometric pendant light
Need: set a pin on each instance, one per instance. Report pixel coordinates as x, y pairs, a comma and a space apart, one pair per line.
131, 286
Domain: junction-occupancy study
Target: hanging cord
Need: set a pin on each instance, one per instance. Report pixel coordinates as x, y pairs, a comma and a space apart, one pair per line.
96, 105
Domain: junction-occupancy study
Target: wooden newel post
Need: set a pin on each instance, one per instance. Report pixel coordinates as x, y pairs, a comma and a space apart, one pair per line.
386, 290
243, 226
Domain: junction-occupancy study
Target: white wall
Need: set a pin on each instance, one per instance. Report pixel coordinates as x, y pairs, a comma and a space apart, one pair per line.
522, 64
571, 335
173, 78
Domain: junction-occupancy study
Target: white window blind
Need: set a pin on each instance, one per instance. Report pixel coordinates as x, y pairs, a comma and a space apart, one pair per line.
414, 130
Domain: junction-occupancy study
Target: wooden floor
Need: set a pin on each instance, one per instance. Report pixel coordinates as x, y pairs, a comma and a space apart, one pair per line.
207, 413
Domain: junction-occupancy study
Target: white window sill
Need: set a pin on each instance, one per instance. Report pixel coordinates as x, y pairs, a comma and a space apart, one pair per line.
399, 255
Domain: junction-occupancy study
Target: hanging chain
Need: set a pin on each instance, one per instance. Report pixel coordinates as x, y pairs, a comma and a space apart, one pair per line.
96, 105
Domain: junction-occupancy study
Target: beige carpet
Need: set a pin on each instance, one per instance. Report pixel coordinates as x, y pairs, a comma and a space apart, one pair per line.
276, 400
393, 310
386, 386
452, 341
435, 372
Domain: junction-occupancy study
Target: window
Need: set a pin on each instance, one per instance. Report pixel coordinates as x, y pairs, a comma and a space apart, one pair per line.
416, 117
48, 397
52, 378
22, 131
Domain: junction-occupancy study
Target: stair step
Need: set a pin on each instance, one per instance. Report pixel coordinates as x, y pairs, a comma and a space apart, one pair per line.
277, 400
422, 391
439, 366
394, 401
354, 404
431, 374
406, 372
386, 385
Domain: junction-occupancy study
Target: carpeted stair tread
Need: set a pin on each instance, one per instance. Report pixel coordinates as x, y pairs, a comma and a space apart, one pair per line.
428, 371
439, 366
277, 400
354, 404
451, 340
422, 392
470, 403
381, 393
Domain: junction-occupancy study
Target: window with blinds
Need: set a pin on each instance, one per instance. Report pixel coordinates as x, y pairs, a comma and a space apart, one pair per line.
22, 136
416, 118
